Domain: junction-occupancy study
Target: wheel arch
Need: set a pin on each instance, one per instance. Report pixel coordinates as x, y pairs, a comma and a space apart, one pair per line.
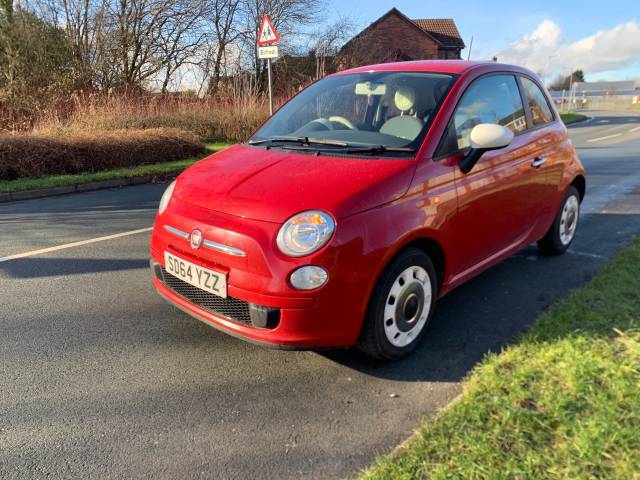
581, 185
434, 250
425, 241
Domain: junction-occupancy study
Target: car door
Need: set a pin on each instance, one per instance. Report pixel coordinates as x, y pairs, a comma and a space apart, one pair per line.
497, 207
550, 143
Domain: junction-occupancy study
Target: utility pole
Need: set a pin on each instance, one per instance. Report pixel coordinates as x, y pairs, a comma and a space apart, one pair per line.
270, 86
470, 47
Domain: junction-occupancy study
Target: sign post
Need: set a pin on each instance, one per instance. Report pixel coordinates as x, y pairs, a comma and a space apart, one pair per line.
267, 38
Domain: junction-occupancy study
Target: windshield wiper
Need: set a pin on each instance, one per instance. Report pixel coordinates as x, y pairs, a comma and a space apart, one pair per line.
306, 142
378, 149
303, 140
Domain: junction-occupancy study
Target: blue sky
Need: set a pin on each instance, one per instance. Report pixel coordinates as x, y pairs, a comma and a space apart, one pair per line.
554, 31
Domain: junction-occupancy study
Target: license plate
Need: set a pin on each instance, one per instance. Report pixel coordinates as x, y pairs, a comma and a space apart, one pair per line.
203, 278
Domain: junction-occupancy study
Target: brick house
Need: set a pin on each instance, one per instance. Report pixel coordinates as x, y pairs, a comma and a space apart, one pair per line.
395, 37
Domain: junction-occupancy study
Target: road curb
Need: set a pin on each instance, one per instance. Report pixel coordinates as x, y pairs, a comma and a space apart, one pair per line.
81, 187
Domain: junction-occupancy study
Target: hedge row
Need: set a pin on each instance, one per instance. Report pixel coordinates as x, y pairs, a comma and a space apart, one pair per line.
34, 156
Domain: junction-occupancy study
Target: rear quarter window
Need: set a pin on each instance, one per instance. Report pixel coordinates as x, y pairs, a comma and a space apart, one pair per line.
537, 100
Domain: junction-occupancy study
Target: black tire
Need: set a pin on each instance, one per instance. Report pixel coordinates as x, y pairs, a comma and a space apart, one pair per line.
373, 339
552, 243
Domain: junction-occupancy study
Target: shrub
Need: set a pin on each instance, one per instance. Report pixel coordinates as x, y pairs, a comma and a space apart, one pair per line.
38, 155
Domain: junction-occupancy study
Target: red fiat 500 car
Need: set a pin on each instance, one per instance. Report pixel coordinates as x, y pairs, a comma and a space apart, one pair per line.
364, 199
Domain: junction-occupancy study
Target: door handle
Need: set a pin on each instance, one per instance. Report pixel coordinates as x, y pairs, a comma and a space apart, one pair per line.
538, 162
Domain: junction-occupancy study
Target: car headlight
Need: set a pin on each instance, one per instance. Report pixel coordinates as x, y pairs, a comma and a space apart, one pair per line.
305, 233
166, 196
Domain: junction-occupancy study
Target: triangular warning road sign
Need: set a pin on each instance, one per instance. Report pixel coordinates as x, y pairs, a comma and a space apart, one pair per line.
267, 34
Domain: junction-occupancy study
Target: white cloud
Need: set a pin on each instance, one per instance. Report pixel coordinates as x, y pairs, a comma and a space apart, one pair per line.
546, 51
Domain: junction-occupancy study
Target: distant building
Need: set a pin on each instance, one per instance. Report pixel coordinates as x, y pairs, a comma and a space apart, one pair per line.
394, 37
626, 87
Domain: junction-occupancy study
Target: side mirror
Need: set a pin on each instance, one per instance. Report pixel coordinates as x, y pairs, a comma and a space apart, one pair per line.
485, 137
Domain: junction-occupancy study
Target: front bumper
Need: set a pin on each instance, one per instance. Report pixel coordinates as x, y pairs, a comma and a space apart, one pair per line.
295, 327
328, 317
251, 314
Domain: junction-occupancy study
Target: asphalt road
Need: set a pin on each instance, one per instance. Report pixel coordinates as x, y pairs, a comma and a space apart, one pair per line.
100, 378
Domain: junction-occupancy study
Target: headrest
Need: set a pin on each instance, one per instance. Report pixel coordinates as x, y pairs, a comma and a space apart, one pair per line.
405, 99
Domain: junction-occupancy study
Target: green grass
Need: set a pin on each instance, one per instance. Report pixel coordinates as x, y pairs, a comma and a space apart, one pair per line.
24, 184
569, 118
563, 402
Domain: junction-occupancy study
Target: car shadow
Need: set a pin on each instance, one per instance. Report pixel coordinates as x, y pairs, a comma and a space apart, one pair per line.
36, 267
491, 311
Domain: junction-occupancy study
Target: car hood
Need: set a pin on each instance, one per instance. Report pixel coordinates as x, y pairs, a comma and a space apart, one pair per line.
272, 185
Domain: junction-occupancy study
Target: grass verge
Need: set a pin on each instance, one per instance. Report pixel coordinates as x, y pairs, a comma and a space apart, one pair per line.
569, 118
163, 168
564, 402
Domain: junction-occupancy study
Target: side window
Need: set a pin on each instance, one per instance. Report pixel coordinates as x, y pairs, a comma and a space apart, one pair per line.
540, 111
492, 99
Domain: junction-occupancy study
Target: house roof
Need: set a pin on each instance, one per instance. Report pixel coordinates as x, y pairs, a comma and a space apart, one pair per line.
442, 29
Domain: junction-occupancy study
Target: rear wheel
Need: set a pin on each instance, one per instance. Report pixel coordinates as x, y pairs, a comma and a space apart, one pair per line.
401, 306
561, 234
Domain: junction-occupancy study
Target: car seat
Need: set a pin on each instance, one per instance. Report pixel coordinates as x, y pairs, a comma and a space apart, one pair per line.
405, 125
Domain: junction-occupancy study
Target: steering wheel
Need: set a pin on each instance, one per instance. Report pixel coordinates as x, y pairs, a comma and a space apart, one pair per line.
327, 122
344, 121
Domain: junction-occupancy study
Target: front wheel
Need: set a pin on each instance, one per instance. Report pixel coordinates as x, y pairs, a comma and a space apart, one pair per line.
401, 306
561, 234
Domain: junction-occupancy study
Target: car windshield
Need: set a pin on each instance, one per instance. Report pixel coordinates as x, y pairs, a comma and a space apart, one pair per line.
370, 113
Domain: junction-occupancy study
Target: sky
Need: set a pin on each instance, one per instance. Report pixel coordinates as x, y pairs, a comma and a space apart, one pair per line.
547, 36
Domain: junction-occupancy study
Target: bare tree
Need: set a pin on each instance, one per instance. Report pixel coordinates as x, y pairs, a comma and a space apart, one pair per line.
181, 37
137, 26
326, 43
83, 23
222, 20
136, 43
89, 29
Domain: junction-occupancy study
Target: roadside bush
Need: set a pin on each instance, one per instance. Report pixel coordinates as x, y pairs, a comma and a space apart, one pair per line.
37, 155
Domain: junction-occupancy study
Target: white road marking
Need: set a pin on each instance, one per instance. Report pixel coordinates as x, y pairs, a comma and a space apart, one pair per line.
587, 254
604, 121
74, 244
604, 138
634, 129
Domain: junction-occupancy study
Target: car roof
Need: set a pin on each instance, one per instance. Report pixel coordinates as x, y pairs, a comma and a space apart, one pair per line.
434, 66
